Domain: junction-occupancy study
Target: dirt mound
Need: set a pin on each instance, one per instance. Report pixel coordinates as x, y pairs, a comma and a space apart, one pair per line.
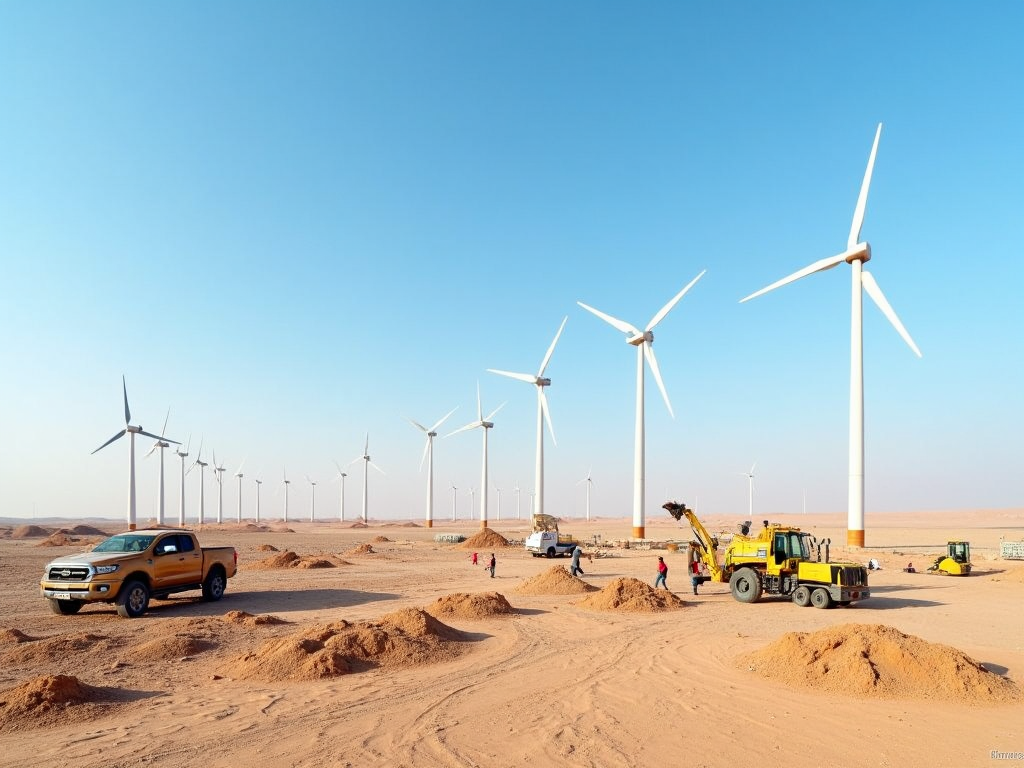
29, 532
267, 548
1015, 576
64, 538
39, 697
359, 525
87, 530
463, 605
171, 647
406, 637
314, 562
633, 596
410, 525
362, 549
58, 647
556, 580
485, 539
879, 661
289, 559
286, 559
12, 636
380, 540
248, 620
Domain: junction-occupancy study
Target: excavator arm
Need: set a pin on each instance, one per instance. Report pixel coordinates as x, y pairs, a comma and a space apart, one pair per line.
708, 544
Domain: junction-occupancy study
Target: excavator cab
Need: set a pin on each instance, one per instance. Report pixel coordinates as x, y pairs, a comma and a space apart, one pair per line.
956, 561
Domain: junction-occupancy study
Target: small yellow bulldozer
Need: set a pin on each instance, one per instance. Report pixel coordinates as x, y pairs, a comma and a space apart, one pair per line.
956, 561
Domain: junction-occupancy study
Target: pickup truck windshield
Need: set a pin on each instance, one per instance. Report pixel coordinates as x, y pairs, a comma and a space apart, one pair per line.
125, 542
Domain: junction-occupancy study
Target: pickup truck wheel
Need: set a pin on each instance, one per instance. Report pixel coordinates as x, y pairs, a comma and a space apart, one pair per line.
213, 587
745, 585
133, 600
65, 607
551, 551
802, 596
820, 598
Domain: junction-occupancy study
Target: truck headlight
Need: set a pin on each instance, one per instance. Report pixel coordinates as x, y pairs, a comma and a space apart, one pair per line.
106, 568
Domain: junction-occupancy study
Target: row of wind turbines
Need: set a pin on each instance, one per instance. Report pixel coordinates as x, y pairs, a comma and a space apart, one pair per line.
856, 254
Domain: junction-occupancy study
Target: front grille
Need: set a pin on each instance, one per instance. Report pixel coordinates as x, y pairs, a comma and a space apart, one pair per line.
68, 573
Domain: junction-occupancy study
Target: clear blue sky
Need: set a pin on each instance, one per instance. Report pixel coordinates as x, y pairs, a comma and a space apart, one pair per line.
293, 223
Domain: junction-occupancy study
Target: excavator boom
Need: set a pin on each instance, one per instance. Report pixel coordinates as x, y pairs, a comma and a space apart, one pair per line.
708, 543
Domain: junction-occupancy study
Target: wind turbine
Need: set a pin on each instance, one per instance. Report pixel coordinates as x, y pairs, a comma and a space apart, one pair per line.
218, 474
202, 481
239, 475
365, 458
285, 482
341, 476
750, 480
589, 483
515, 490
312, 498
161, 444
497, 490
132, 431
428, 455
542, 412
259, 482
856, 254
181, 505
455, 503
643, 341
485, 424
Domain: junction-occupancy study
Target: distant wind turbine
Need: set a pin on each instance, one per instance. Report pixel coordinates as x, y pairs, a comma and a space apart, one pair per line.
589, 483
341, 476
643, 341
202, 481
428, 456
239, 475
542, 411
485, 424
516, 491
497, 490
218, 474
160, 444
132, 431
455, 503
259, 482
365, 458
285, 482
181, 499
750, 480
312, 498
856, 254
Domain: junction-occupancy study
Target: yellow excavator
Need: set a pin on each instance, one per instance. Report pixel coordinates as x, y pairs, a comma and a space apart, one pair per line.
956, 561
775, 561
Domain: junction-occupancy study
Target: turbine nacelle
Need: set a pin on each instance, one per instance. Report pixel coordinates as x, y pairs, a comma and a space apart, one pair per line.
640, 338
860, 252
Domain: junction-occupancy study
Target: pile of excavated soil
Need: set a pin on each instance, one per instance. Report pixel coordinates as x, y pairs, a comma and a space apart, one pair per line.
248, 620
64, 538
170, 647
12, 636
411, 525
45, 650
362, 549
29, 532
289, 559
556, 580
358, 525
267, 548
632, 596
409, 636
879, 661
463, 605
380, 540
43, 700
485, 539
88, 530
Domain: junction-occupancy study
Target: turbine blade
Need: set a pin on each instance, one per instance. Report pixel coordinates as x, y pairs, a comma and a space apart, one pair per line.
423, 458
239, 471
147, 454
818, 266
357, 458
366, 445
340, 470
479, 407
675, 300
862, 199
159, 437
492, 413
547, 413
200, 454
471, 425
127, 413
119, 434
518, 376
189, 443
376, 467
416, 424
551, 349
621, 325
878, 297
652, 361
443, 419
164, 430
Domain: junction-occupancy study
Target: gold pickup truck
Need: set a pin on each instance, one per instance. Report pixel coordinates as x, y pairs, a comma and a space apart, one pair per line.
130, 568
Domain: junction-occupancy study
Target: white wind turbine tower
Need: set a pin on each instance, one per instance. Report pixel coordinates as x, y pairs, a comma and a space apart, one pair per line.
589, 483
181, 499
132, 431
455, 503
428, 455
516, 491
312, 498
643, 341
856, 254
365, 458
259, 482
285, 482
239, 475
472, 497
542, 412
218, 474
160, 444
341, 476
497, 490
202, 481
485, 424
750, 481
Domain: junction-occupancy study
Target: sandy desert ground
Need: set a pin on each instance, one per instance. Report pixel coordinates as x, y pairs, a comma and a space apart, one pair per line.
361, 664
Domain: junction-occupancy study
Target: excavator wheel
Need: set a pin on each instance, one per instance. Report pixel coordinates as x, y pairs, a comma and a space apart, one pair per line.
745, 585
802, 596
820, 598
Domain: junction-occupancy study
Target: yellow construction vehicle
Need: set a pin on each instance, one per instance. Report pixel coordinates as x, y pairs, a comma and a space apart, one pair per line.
956, 561
775, 561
